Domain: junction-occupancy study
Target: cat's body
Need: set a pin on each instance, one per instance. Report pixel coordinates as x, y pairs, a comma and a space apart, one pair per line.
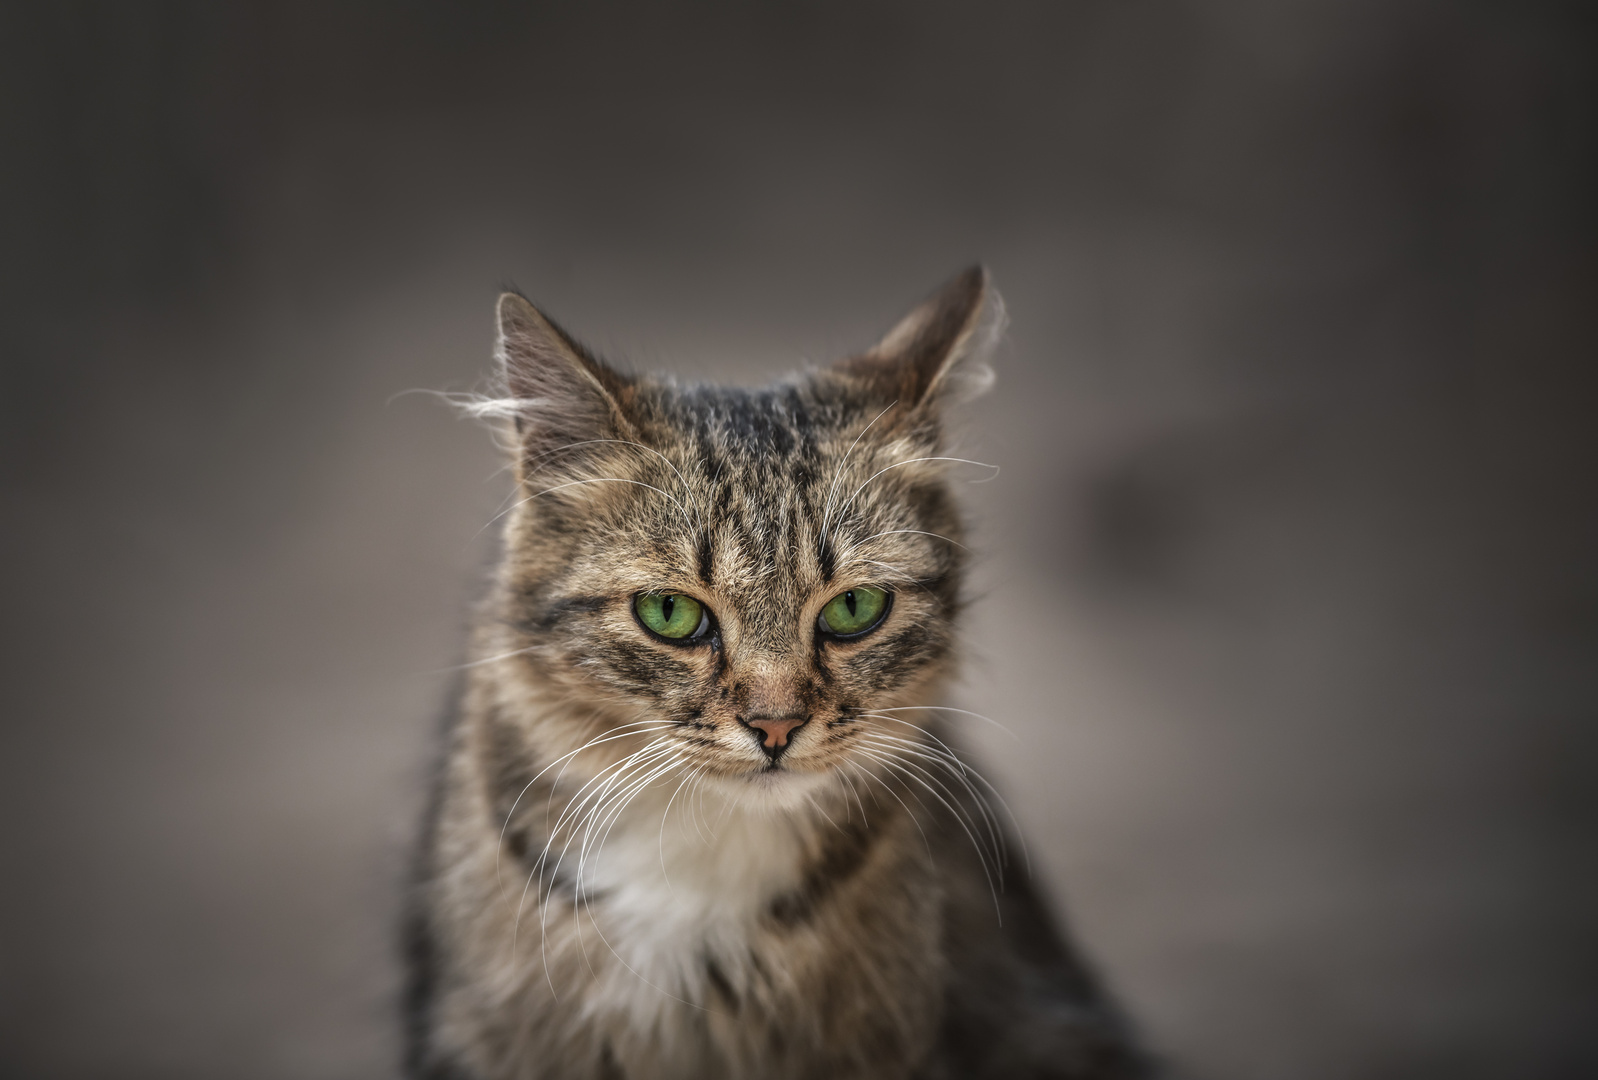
685, 825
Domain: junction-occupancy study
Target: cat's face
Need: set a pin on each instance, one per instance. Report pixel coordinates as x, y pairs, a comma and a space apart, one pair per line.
763, 583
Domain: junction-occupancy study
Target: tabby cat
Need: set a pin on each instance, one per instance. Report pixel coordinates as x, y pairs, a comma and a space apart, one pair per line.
698, 814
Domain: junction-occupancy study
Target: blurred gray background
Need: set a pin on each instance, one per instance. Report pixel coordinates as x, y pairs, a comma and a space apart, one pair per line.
1288, 596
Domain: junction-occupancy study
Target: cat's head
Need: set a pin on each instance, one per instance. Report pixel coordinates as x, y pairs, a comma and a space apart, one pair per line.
763, 583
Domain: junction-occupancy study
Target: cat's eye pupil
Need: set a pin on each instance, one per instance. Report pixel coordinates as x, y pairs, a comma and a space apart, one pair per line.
667, 603
849, 601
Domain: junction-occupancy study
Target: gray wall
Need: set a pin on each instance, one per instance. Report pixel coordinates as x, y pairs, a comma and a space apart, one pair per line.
1289, 600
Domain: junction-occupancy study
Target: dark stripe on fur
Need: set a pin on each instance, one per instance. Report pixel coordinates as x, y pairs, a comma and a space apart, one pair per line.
844, 852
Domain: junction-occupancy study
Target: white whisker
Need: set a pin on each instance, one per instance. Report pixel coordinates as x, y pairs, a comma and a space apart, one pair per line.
913, 461
510, 814
574, 808
665, 814
592, 480
963, 712
597, 798
956, 769
869, 775
968, 770
897, 532
826, 515
900, 767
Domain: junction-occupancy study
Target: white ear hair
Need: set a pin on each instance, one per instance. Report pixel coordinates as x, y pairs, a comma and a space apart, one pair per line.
969, 373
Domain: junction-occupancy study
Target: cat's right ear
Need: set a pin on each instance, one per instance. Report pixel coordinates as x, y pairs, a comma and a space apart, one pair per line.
561, 393
939, 352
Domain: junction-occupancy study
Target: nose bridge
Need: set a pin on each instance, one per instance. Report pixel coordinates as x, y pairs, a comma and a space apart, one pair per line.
767, 662
771, 683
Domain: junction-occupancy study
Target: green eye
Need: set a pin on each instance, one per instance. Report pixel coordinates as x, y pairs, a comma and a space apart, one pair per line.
853, 612
672, 615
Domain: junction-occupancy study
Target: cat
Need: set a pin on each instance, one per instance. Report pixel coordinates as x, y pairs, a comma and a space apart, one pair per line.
698, 814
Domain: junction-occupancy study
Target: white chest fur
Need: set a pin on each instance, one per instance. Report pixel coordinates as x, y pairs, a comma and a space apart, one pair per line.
678, 886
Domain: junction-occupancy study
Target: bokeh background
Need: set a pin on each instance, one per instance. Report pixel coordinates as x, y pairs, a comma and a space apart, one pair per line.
1289, 599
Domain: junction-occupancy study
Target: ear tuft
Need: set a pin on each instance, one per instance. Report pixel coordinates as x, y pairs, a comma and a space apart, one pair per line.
939, 352
561, 393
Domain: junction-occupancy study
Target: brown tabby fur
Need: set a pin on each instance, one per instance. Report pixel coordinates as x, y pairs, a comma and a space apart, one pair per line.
615, 880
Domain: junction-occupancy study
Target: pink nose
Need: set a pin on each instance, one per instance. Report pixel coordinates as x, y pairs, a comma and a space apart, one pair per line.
776, 728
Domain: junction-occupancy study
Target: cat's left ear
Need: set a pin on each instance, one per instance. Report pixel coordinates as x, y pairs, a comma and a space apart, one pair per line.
940, 351
562, 394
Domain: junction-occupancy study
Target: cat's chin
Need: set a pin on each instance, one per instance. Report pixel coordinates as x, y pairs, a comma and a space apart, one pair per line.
779, 789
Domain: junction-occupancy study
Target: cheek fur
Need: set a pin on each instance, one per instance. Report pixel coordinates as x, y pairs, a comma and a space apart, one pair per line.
900, 658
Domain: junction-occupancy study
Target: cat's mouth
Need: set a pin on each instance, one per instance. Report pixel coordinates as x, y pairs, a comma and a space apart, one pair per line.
789, 787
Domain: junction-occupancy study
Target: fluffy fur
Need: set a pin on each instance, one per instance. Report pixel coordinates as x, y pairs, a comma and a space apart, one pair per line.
617, 878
